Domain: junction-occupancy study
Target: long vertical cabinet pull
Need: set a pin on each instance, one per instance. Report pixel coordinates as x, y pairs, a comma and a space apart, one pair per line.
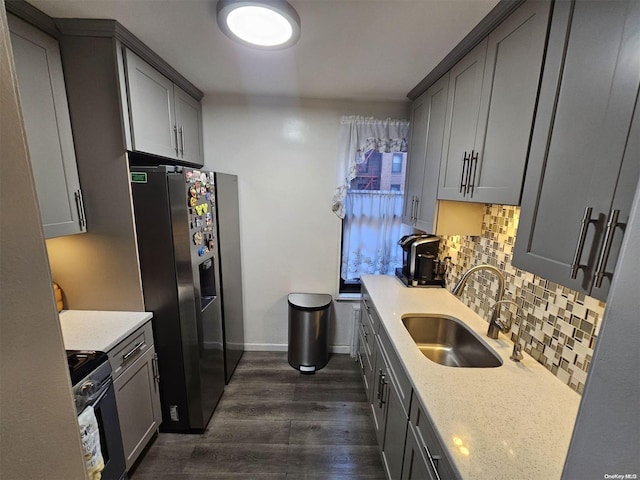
412, 219
380, 380
417, 207
584, 225
175, 134
80, 207
465, 164
612, 224
473, 164
181, 130
384, 384
156, 373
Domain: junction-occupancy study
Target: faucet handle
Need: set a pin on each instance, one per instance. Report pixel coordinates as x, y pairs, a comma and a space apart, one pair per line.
495, 320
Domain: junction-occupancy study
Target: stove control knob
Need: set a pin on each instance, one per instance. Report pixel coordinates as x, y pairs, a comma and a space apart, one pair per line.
88, 388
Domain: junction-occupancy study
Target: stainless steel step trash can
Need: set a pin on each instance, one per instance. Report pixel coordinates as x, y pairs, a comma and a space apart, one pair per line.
309, 315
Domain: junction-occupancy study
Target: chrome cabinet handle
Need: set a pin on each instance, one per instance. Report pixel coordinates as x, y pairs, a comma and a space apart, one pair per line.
465, 164
181, 130
135, 349
380, 378
434, 464
360, 362
414, 215
415, 219
413, 209
584, 226
156, 372
82, 222
612, 224
175, 135
472, 176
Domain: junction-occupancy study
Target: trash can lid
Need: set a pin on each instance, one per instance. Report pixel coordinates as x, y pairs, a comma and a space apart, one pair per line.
309, 301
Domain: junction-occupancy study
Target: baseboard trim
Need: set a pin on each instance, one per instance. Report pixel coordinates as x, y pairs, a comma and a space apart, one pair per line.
276, 347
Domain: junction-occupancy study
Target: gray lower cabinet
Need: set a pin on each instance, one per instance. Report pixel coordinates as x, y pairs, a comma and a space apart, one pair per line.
408, 442
135, 380
389, 397
164, 119
491, 102
369, 324
583, 165
45, 113
417, 464
424, 456
390, 419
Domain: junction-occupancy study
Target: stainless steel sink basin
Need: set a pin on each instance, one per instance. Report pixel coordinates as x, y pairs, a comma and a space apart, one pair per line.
447, 341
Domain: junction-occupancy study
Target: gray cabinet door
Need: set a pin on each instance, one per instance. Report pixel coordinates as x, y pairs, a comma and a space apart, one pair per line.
426, 206
416, 463
189, 125
509, 91
380, 376
48, 127
463, 108
581, 130
151, 108
138, 402
395, 432
416, 157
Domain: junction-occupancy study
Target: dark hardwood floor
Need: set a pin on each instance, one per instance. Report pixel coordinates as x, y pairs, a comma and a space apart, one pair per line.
275, 423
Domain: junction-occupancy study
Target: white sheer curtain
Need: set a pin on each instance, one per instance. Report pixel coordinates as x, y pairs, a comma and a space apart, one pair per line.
359, 135
373, 217
372, 228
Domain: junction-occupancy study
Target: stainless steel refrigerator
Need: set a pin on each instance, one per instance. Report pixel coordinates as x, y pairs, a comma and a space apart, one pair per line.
189, 248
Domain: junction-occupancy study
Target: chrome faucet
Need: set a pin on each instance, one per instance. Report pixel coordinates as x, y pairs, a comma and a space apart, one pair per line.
499, 325
457, 290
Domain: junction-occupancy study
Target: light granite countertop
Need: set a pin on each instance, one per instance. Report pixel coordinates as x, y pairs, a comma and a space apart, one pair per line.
510, 422
98, 330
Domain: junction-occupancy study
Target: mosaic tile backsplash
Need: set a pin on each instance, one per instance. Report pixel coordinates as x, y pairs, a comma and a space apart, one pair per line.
560, 325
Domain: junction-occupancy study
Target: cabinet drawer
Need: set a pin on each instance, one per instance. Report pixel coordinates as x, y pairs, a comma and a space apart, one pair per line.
130, 349
369, 324
138, 402
396, 371
364, 360
426, 434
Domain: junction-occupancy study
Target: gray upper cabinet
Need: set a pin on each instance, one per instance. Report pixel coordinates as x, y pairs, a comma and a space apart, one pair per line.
165, 120
492, 98
151, 107
583, 165
45, 113
189, 124
463, 108
427, 129
422, 210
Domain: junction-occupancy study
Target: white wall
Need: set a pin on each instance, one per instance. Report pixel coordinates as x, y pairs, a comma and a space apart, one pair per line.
284, 152
39, 437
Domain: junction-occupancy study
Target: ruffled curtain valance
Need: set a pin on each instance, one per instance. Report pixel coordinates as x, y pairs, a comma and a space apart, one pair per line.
359, 135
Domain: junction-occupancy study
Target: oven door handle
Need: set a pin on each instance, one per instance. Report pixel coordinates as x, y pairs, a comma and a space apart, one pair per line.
99, 395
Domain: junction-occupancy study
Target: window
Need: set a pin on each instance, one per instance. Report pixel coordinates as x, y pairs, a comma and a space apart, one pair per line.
372, 224
396, 162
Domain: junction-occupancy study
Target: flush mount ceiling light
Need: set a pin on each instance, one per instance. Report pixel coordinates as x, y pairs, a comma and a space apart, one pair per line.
266, 24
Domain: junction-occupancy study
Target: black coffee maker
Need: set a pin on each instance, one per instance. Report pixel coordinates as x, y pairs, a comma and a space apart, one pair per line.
420, 264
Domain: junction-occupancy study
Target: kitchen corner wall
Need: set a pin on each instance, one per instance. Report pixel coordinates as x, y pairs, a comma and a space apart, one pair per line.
284, 152
560, 325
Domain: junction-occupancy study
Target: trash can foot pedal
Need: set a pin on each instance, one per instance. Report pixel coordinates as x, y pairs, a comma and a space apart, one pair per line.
307, 369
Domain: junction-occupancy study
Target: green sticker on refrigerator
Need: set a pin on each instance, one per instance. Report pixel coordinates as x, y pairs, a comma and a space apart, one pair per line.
138, 177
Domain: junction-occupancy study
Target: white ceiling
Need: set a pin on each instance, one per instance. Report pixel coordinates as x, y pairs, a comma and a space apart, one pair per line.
348, 49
